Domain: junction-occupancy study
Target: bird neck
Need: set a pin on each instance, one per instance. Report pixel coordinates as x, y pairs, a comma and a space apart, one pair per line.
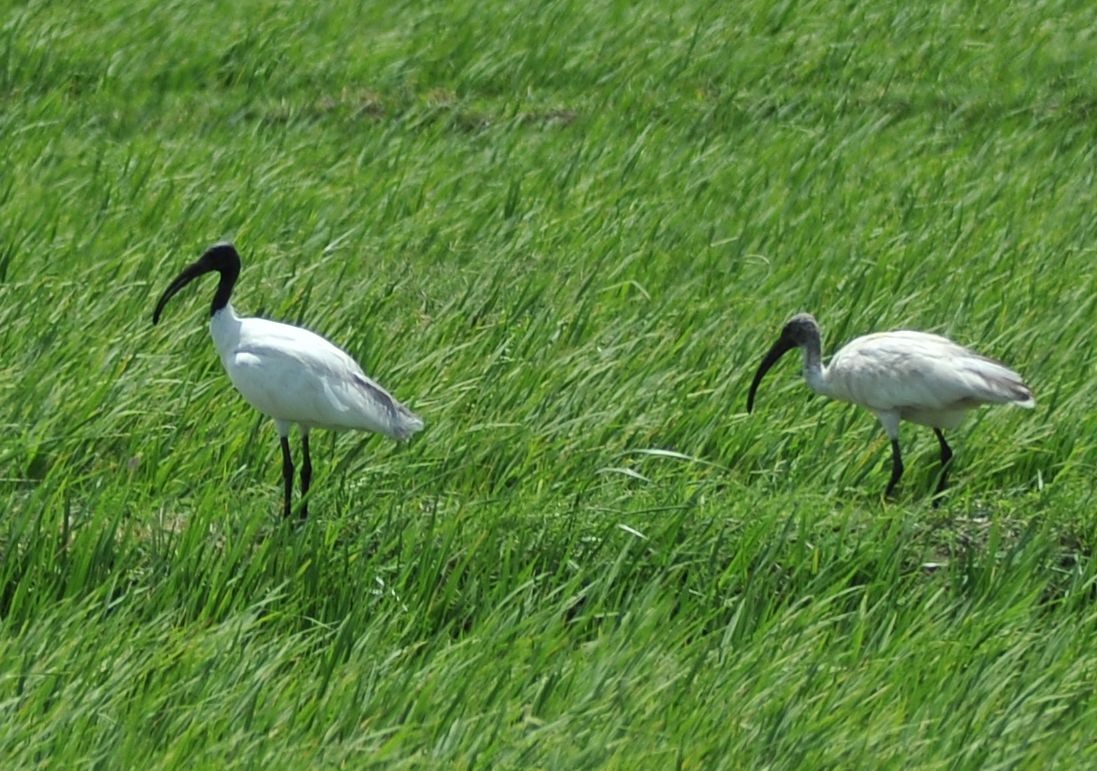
813, 366
224, 327
229, 271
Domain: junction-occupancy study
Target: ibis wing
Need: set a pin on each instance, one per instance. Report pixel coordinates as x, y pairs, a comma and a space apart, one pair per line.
919, 371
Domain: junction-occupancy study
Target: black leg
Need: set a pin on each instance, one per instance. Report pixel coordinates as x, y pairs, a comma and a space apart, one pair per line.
306, 476
896, 468
287, 474
946, 456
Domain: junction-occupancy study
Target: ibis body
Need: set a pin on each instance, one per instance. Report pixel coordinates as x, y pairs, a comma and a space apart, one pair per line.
290, 374
902, 375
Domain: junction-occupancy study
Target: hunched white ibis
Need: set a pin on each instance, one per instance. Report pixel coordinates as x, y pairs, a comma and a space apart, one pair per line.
902, 375
290, 374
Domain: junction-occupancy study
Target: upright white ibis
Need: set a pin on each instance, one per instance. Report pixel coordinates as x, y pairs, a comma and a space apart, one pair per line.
290, 374
902, 375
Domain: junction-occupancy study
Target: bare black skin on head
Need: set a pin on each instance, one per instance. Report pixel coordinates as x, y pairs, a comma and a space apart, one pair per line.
799, 331
220, 258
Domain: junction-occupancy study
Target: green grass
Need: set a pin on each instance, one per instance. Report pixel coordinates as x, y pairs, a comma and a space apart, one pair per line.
564, 233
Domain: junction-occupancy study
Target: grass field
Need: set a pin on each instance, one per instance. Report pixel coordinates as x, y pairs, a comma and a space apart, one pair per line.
564, 233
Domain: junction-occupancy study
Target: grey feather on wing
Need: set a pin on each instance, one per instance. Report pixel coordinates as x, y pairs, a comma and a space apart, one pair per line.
999, 380
378, 395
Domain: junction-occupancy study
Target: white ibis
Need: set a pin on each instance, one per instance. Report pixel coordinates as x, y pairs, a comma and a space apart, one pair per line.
901, 375
290, 374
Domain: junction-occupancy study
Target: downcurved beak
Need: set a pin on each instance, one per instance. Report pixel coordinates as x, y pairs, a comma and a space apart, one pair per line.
779, 349
191, 272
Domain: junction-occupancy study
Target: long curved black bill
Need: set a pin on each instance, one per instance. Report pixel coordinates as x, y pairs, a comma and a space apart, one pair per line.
191, 272
779, 349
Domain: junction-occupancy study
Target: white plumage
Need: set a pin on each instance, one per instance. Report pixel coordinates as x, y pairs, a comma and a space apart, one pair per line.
295, 376
291, 374
902, 375
926, 379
